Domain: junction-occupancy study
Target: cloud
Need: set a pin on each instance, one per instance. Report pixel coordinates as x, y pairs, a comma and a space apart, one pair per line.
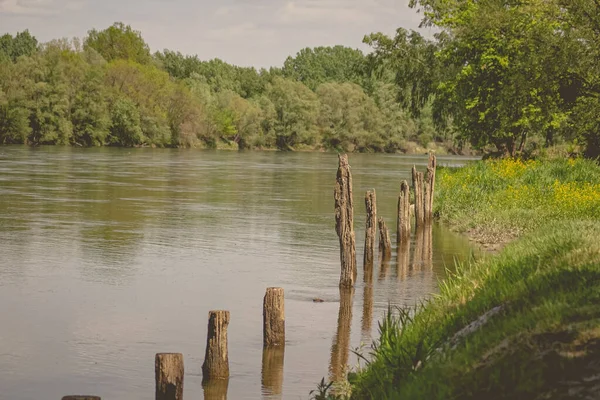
261, 33
38, 7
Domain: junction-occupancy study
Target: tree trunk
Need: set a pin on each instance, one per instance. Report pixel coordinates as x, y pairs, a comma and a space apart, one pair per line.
344, 218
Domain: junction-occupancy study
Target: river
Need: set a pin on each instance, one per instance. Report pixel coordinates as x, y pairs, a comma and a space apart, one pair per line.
108, 256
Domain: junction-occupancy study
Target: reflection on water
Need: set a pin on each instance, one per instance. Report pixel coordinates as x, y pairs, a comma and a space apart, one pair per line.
402, 259
340, 348
272, 372
110, 256
215, 389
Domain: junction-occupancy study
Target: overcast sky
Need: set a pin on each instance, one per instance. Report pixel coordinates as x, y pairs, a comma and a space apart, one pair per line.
258, 33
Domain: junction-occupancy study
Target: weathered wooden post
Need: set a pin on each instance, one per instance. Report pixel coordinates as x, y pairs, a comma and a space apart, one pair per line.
430, 187
273, 318
81, 398
344, 222
168, 372
403, 222
417, 179
272, 370
385, 244
216, 359
370, 231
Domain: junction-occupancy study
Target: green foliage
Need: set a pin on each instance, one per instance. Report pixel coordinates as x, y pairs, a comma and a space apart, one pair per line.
517, 72
325, 64
349, 119
119, 42
23, 44
125, 129
296, 111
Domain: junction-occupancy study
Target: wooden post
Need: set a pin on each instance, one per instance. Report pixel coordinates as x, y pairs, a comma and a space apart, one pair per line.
216, 359
417, 178
344, 222
168, 372
81, 398
403, 222
273, 318
272, 370
385, 244
370, 231
429, 187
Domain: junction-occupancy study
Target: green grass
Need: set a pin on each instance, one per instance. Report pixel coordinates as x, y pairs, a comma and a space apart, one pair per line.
536, 303
496, 201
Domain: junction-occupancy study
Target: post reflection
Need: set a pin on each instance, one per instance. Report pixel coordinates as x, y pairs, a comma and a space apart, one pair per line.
272, 372
215, 389
403, 259
340, 348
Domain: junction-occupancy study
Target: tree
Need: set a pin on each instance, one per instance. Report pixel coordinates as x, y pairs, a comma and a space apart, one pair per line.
125, 127
325, 64
23, 44
119, 42
509, 63
349, 119
412, 58
296, 109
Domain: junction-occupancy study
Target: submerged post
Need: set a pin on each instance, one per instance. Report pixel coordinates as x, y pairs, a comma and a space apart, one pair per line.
370, 230
216, 359
403, 222
168, 372
429, 187
385, 244
81, 398
417, 179
344, 222
273, 318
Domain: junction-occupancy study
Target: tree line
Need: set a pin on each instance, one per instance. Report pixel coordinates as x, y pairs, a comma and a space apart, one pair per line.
503, 76
108, 89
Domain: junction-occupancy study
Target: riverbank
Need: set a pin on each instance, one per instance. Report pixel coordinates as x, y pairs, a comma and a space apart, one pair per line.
524, 323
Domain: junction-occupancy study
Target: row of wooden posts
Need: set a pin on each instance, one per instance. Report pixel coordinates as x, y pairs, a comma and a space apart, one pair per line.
169, 369
423, 187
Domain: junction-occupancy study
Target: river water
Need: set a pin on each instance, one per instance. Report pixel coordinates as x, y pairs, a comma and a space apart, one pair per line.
108, 256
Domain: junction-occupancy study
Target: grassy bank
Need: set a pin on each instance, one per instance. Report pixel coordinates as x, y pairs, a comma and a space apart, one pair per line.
497, 201
523, 324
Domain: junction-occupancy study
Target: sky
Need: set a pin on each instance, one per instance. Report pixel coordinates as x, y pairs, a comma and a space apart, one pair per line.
259, 33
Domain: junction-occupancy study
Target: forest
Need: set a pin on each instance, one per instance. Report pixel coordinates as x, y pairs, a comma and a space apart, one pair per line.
504, 77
